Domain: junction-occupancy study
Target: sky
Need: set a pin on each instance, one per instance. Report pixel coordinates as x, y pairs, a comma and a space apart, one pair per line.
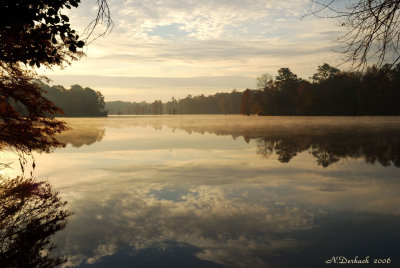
159, 49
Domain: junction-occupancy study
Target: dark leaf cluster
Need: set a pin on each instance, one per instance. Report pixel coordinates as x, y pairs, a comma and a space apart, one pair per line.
37, 32
30, 214
26, 117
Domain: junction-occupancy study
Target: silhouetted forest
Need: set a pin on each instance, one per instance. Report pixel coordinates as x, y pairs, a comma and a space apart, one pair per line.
219, 103
76, 101
376, 91
330, 92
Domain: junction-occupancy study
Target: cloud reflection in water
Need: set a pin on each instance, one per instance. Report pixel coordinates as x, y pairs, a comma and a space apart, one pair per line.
151, 186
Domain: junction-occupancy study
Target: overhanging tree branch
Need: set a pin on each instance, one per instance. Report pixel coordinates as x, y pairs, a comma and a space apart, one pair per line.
372, 29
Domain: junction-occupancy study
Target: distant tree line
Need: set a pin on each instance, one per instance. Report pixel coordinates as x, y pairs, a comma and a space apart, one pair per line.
126, 107
219, 103
376, 91
76, 101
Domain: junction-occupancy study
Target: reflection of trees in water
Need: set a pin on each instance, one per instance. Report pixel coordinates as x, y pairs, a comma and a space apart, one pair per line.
30, 213
382, 146
285, 149
82, 135
328, 139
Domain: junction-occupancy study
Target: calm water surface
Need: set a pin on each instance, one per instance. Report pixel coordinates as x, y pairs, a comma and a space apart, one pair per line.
227, 191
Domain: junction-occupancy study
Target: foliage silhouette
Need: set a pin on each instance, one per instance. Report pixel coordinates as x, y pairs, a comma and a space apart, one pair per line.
157, 107
328, 92
30, 214
35, 33
219, 103
26, 117
246, 102
76, 101
332, 92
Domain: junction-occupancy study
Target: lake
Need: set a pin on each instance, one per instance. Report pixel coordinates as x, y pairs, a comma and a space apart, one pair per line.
227, 191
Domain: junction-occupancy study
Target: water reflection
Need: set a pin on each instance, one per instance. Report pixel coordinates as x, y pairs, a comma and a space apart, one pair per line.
194, 197
328, 139
231, 225
379, 145
82, 132
30, 214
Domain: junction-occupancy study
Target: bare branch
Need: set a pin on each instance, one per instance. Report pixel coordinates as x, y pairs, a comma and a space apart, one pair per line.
373, 29
103, 17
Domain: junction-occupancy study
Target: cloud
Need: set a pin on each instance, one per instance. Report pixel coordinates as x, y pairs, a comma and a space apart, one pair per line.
207, 218
208, 38
153, 82
151, 88
231, 216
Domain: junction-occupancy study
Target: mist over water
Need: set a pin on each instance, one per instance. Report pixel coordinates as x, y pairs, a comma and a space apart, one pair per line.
226, 191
